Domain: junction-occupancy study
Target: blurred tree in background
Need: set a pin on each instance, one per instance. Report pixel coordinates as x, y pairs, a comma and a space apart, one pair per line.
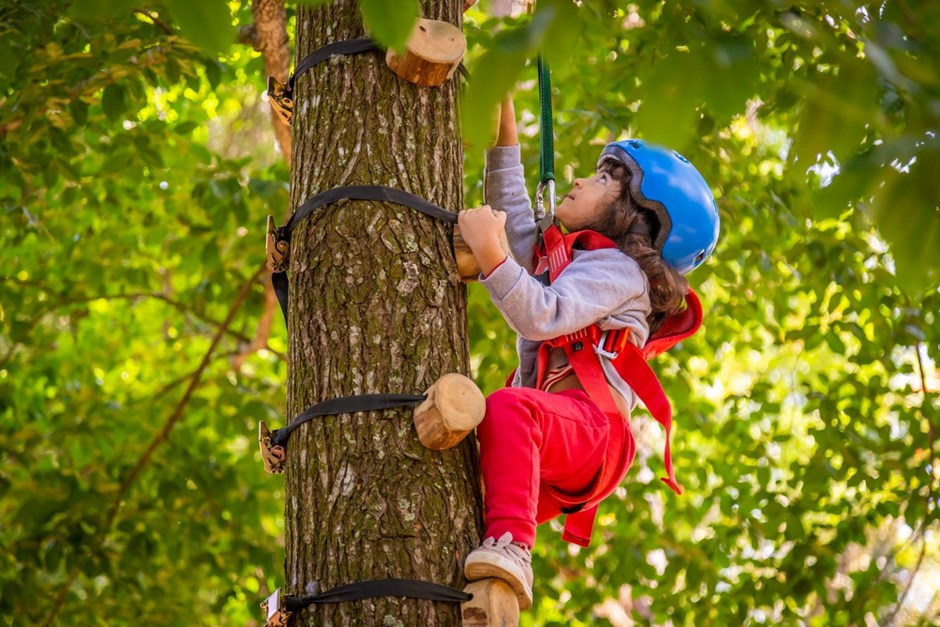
137, 163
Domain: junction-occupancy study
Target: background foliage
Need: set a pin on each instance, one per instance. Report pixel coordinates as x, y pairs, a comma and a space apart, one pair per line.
137, 165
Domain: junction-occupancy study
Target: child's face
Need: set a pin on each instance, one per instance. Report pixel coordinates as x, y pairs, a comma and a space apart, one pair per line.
587, 198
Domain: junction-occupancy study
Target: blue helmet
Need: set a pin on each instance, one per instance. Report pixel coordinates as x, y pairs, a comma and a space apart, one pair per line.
664, 182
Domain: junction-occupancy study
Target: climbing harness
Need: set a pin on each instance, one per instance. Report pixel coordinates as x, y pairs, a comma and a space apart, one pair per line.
582, 349
279, 609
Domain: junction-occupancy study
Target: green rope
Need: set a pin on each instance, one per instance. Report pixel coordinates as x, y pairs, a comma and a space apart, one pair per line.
546, 136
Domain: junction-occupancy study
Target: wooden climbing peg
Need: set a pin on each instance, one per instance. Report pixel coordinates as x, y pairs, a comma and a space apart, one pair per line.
432, 53
494, 604
467, 265
455, 405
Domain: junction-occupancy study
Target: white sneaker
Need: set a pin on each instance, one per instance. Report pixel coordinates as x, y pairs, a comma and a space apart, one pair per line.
506, 560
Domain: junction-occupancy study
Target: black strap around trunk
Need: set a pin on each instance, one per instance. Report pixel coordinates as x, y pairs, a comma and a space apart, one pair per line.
345, 405
411, 588
318, 56
377, 193
347, 46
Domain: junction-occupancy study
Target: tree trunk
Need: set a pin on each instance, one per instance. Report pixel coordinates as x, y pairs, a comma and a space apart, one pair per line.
376, 306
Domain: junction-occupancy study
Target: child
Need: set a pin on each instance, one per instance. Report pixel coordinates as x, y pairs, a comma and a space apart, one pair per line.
547, 446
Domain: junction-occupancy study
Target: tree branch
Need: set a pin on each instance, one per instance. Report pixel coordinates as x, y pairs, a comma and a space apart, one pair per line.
159, 439
156, 21
257, 343
269, 37
149, 57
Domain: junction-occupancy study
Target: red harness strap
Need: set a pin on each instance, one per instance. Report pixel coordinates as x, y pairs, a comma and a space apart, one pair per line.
581, 349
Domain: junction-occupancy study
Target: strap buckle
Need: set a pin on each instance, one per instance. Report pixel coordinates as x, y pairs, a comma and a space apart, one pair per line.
276, 248
577, 340
281, 98
275, 616
273, 455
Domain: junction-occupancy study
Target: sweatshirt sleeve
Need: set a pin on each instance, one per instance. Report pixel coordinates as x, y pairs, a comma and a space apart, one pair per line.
600, 286
505, 190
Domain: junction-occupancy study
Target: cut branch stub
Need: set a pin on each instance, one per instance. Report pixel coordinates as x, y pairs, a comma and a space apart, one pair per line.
467, 265
432, 54
494, 604
455, 405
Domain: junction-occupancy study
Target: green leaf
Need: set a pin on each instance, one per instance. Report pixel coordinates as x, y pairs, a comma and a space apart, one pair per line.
907, 213
390, 21
113, 101
671, 96
733, 74
207, 23
79, 111
840, 110
495, 74
100, 10
563, 32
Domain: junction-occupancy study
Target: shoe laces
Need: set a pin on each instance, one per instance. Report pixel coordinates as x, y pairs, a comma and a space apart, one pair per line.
505, 544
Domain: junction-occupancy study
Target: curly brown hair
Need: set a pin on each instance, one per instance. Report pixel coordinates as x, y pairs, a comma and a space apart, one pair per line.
634, 229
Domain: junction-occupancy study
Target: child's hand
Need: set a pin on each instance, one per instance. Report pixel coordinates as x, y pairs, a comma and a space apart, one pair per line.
481, 229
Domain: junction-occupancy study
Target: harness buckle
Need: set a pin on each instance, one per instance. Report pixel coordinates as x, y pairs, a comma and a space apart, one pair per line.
275, 616
276, 248
281, 98
273, 455
540, 212
602, 342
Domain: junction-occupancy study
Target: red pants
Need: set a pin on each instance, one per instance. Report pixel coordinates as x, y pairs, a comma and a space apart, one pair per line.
529, 439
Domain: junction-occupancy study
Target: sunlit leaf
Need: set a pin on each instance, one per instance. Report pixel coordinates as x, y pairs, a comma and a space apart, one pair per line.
390, 21
207, 23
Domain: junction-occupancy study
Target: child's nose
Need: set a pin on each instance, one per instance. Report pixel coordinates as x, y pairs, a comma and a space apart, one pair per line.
579, 183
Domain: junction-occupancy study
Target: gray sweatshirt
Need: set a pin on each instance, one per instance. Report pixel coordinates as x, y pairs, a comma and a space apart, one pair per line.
602, 286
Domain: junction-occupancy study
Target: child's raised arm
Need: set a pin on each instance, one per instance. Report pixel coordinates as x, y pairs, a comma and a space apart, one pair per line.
507, 124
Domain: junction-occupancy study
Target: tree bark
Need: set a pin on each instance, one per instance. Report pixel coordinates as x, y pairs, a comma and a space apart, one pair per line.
376, 305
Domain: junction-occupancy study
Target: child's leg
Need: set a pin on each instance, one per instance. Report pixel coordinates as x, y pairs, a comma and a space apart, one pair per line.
530, 437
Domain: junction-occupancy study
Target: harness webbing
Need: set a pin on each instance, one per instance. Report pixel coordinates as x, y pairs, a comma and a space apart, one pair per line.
345, 405
376, 193
411, 588
581, 347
